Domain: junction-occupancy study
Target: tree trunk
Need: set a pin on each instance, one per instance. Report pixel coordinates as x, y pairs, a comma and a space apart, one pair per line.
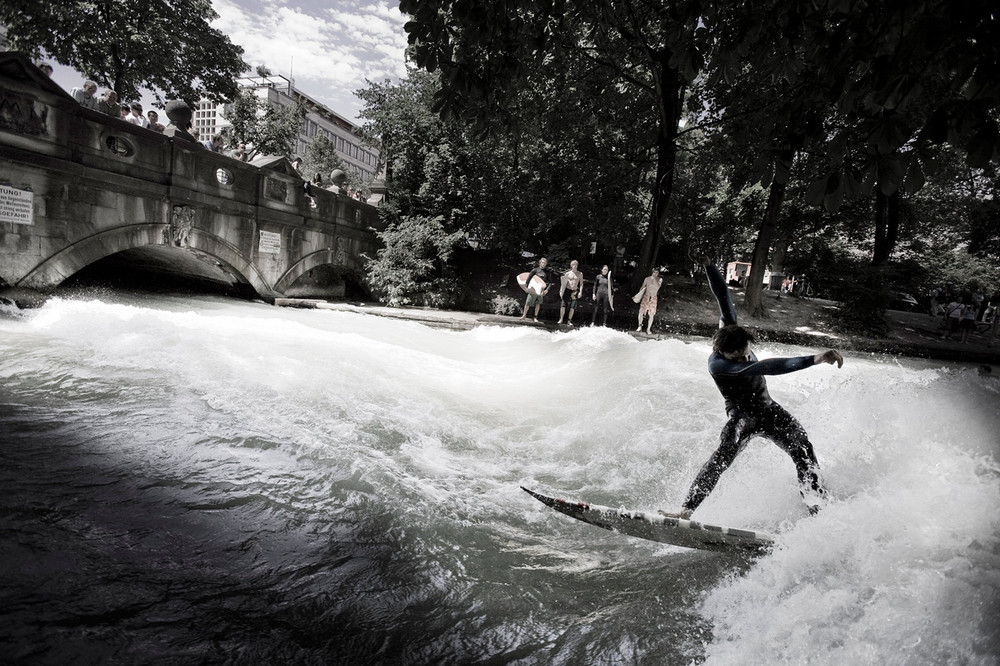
671, 92
753, 302
886, 227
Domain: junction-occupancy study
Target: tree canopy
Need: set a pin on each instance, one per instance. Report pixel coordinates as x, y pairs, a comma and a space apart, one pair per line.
265, 128
169, 48
827, 122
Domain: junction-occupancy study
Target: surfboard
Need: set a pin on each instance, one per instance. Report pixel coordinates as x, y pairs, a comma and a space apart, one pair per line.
663, 529
537, 284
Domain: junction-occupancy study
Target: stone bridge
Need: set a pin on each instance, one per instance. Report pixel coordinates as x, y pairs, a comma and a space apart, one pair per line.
77, 187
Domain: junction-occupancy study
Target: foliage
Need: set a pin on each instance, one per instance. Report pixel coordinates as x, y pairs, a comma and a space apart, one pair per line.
871, 125
504, 305
412, 267
263, 127
321, 157
169, 48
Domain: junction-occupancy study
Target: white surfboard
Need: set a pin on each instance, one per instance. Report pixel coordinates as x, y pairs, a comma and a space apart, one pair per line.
537, 285
663, 529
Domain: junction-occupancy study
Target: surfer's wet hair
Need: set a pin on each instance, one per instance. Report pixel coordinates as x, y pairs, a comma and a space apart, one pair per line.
732, 338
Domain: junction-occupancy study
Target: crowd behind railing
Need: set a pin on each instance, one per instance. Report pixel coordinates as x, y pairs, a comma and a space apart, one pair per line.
108, 104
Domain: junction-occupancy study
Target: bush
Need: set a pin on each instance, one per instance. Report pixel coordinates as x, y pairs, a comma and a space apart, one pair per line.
504, 305
413, 268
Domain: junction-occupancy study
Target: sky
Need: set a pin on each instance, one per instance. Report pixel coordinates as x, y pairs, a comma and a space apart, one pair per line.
329, 47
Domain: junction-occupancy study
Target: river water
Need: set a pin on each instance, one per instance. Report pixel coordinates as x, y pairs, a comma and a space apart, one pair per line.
201, 480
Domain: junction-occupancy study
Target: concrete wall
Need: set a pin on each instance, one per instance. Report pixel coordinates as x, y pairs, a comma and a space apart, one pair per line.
98, 185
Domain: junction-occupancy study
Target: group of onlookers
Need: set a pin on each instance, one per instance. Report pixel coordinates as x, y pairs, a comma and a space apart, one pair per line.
963, 310
108, 104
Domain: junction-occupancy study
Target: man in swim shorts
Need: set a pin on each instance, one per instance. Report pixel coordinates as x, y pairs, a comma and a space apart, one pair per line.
570, 291
739, 375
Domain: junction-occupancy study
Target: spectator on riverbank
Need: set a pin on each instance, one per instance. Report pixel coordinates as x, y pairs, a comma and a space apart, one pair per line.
969, 314
648, 297
603, 296
108, 104
534, 299
953, 317
936, 293
85, 95
570, 291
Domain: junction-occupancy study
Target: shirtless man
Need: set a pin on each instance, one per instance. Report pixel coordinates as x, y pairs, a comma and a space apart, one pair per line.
647, 306
739, 375
570, 291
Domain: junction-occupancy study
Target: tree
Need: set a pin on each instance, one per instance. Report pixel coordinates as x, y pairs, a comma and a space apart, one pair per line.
266, 129
321, 157
487, 52
166, 47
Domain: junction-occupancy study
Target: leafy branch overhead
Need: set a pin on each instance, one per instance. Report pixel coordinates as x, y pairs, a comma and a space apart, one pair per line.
167, 47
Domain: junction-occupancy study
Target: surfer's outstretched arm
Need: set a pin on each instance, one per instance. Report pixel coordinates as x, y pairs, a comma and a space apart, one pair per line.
727, 313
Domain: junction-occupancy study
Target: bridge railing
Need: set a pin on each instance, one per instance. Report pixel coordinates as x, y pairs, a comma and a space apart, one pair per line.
50, 123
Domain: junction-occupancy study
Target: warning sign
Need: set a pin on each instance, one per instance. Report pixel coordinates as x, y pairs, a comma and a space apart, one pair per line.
270, 243
16, 206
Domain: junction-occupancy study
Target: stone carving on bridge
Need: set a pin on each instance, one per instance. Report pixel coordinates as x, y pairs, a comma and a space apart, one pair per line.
181, 221
275, 189
179, 114
342, 253
21, 114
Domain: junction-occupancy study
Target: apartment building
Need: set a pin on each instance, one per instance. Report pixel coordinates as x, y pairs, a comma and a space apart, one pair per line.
280, 91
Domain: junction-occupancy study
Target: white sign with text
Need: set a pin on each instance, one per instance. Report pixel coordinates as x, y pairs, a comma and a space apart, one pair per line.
270, 242
16, 206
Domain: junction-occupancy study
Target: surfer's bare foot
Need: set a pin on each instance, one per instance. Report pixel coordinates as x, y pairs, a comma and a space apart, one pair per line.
684, 514
535, 320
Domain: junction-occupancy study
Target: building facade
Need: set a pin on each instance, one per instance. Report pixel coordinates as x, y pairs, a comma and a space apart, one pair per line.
209, 118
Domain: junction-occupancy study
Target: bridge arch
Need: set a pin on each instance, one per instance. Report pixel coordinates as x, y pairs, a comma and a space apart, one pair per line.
328, 257
197, 243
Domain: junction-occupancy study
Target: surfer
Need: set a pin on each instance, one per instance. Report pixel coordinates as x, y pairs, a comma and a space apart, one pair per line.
570, 291
535, 298
603, 296
739, 375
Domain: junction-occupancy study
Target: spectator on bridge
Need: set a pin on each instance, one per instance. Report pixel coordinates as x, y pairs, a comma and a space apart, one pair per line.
216, 143
45, 67
317, 180
136, 117
85, 95
108, 103
154, 121
240, 153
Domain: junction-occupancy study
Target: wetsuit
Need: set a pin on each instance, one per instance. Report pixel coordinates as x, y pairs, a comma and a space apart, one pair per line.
751, 410
601, 300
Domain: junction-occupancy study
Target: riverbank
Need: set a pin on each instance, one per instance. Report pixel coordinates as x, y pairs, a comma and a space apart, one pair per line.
690, 310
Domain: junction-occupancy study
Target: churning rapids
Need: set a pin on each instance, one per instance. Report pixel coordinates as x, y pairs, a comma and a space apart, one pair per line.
214, 481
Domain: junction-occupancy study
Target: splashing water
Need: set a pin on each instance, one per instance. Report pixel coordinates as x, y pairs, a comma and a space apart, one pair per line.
210, 480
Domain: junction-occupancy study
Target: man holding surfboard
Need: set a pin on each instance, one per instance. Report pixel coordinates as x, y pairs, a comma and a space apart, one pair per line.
739, 375
536, 283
